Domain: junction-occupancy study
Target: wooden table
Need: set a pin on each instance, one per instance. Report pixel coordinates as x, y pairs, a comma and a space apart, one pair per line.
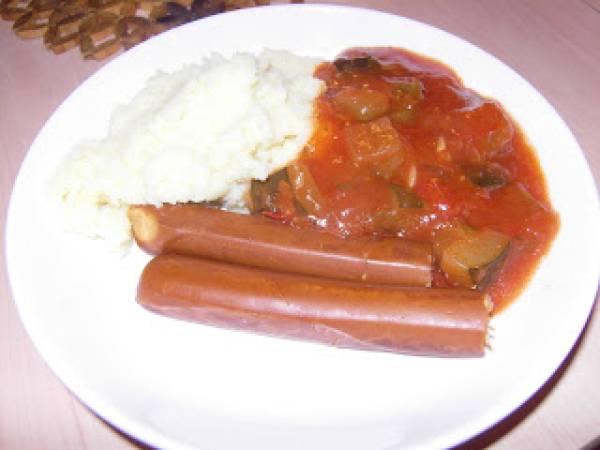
555, 44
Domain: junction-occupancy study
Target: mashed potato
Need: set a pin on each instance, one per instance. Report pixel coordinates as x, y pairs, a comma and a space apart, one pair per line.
199, 134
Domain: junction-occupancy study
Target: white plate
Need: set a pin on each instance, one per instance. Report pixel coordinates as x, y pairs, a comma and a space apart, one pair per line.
175, 384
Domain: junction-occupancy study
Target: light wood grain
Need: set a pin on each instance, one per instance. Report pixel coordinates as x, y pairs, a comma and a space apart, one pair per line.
554, 44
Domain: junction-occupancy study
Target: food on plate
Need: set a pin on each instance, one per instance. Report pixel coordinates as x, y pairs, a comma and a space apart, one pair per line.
254, 240
371, 202
421, 321
402, 148
198, 134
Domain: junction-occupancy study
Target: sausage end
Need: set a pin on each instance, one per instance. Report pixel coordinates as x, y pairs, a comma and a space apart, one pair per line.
144, 224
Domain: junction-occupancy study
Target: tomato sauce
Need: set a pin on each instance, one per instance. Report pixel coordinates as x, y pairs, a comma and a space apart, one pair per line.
402, 148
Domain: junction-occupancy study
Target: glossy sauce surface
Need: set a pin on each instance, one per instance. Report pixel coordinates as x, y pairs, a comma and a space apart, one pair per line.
402, 148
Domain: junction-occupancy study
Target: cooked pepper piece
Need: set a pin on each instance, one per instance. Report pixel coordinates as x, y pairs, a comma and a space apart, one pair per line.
374, 142
464, 256
363, 63
361, 104
407, 94
305, 188
484, 276
487, 175
263, 194
406, 198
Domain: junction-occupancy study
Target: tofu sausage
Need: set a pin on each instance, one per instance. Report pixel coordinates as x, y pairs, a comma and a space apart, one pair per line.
254, 240
413, 320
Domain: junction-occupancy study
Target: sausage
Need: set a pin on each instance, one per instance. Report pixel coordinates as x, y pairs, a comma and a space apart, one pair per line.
413, 320
254, 240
